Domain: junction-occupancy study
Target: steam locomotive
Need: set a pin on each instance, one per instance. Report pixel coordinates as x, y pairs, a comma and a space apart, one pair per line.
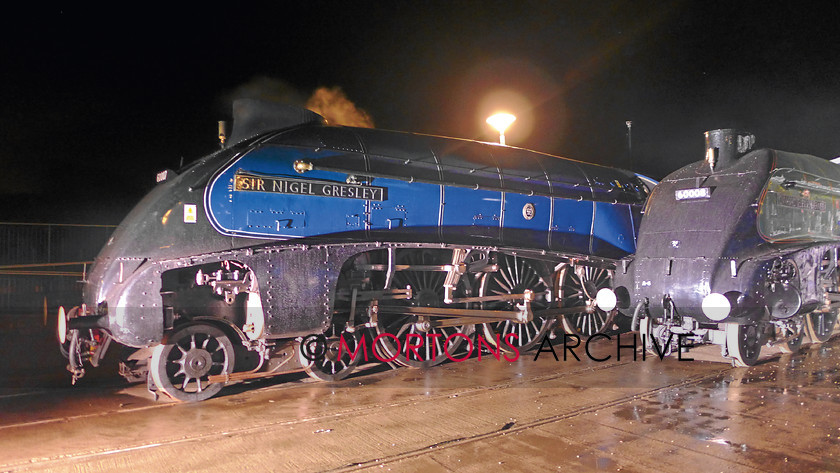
301, 246
740, 250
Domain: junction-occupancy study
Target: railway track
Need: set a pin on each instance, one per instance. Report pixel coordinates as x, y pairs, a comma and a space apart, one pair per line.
525, 415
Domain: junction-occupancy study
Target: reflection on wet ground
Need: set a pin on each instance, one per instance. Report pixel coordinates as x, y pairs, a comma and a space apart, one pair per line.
627, 415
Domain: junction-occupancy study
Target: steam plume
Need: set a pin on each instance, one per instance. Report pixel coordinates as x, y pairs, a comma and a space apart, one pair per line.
332, 104
329, 102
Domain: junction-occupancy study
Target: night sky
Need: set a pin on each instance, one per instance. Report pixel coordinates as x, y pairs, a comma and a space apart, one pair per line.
94, 102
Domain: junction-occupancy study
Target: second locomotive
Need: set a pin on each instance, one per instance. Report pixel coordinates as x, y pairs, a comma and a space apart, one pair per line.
739, 249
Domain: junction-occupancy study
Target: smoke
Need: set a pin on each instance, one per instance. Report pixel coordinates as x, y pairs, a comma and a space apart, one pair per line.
329, 102
332, 104
268, 89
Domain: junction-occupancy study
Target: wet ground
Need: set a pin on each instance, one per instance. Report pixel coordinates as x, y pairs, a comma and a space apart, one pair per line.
527, 415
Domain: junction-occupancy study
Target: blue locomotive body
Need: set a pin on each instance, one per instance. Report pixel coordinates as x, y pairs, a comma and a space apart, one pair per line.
309, 229
371, 184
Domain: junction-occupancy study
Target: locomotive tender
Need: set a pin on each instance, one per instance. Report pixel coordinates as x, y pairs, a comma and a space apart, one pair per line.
226, 269
740, 250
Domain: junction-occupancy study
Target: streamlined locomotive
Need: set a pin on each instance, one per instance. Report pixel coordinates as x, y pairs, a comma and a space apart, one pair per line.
400, 243
739, 250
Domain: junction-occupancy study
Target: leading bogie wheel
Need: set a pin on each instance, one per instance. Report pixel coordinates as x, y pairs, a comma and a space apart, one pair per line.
820, 325
333, 356
181, 367
646, 333
794, 335
743, 343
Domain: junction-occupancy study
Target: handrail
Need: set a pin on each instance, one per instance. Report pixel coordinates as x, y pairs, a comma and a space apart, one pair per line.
41, 265
78, 274
59, 224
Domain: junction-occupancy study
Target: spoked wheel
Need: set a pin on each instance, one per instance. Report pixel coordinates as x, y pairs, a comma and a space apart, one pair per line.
515, 275
820, 325
333, 360
181, 367
411, 340
577, 286
743, 343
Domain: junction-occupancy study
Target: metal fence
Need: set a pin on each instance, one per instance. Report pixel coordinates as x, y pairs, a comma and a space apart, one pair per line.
42, 266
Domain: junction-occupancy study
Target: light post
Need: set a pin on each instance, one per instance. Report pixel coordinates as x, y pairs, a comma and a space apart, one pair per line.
501, 121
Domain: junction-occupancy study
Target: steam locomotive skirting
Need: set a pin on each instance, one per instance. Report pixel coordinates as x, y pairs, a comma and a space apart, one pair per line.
299, 228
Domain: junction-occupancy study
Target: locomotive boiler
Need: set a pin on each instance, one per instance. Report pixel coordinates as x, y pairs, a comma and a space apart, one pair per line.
403, 244
740, 250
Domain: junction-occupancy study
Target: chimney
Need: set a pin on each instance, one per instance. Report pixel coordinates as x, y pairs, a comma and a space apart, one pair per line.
725, 146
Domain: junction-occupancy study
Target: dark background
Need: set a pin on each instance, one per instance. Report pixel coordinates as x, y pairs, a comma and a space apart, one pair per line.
95, 101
